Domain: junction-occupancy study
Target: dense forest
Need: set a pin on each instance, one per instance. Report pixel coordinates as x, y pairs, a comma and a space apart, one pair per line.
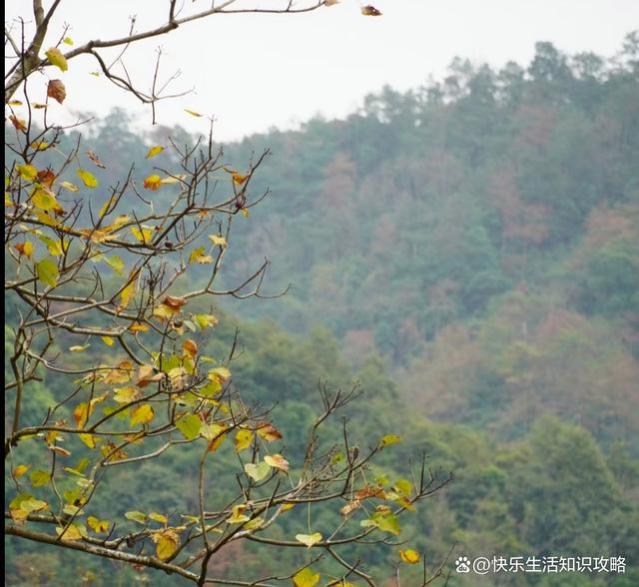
468, 254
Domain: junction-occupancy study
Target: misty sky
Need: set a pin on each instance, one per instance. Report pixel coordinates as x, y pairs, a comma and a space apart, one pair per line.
252, 72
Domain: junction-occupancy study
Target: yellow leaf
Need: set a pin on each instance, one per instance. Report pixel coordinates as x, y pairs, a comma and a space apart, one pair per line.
54, 246
164, 312
218, 240
88, 439
20, 470
153, 182
306, 578
55, 57
309, 539
25, 248
158, 518
44, 199
243, 440
144, 236
277, 461
138, 327
173, 179
107, 340
28, 172
257, 471
404, 486
40, 145
153, 151
215, 434
70, 187
178, 377
389, 439
166, 543
221, 374
68, 41
98, 526
87, 178
124, 395
14, 103
129, 291
73, 532
198, 256
142, 414
205, 320
409, 556
192, 113
47, 272
79, 348
254, 524
118, 223
238, 178
238, 516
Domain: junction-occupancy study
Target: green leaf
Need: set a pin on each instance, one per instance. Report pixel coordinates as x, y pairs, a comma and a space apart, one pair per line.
189, 426
387, 523
309, 539
136, 517
39, 478
258, 471
47, 272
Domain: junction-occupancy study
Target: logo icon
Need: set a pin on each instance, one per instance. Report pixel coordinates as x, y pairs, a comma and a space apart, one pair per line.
462, 565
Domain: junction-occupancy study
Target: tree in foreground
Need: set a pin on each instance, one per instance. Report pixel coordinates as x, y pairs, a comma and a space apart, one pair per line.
102, 301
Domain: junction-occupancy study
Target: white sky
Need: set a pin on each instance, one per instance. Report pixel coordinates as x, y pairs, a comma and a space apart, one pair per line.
252, 72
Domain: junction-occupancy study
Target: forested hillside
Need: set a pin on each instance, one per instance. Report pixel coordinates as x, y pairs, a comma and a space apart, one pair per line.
468, 253
480, 233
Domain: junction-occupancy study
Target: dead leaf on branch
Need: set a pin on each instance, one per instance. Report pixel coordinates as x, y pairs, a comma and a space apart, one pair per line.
370, 11
91, 154
56, 90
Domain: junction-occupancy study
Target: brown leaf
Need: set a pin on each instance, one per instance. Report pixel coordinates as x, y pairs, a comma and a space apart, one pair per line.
148, 374
91, 154
350, 507
268, 432
369, 491
18, 123
56, 90
189, 347
370, 11
173, 302
46, 176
